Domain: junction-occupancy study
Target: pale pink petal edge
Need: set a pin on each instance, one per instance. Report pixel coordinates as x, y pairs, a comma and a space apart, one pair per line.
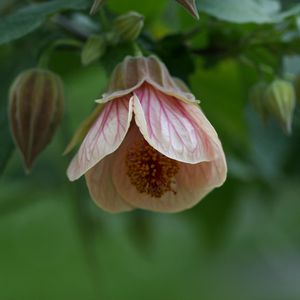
180, 95
104, 137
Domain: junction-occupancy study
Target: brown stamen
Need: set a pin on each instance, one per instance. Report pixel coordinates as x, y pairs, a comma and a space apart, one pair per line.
150, 171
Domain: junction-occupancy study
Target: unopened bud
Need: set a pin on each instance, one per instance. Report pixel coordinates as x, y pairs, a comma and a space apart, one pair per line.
36, 103
128, 26
280, 101
94, 48
258, 100
190, 6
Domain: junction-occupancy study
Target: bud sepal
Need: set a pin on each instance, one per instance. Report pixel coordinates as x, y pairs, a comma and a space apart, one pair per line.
281, 101
36, 104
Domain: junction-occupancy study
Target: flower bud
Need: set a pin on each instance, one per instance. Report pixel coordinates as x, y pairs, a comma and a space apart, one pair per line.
128, 26
94, 48
257, 98
35, 110
280, 101
190, 6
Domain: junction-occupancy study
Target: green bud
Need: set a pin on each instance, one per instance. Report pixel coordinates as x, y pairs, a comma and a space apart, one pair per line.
280, 101
36, 103
93, 49
128, 26
257, 98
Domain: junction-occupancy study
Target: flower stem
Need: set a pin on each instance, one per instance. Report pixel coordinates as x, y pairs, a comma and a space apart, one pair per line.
46, 54
137, 50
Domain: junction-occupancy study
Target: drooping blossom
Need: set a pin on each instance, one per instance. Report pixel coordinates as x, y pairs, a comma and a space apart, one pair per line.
150, 147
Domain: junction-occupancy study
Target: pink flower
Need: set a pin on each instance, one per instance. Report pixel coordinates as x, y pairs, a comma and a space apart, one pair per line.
151, 146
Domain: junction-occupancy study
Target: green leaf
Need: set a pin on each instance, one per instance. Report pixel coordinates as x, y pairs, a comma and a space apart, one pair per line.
222, 95
32, 16
241, 11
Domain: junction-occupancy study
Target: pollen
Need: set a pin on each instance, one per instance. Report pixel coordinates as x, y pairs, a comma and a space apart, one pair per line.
150, 171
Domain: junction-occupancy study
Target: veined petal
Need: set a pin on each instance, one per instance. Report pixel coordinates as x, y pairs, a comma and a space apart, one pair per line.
192, 183
83, 129
104, 137
176, 129
102, 188
133, 72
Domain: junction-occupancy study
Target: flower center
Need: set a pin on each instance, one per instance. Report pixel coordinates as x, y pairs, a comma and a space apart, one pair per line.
150, 171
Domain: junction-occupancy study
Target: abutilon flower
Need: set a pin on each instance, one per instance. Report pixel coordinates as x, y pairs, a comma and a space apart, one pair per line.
151, 146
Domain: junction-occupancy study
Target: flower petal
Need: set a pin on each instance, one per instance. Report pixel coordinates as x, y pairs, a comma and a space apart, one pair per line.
132, 72
192, 183
83, 129
102, 189
104, 137
176, 129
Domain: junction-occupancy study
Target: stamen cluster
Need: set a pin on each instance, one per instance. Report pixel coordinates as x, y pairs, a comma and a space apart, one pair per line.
150, 171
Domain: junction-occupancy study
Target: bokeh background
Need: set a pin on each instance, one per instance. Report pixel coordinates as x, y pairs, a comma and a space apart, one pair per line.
241, 242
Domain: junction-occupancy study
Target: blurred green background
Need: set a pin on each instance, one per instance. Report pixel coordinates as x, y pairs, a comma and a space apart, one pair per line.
241, 242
